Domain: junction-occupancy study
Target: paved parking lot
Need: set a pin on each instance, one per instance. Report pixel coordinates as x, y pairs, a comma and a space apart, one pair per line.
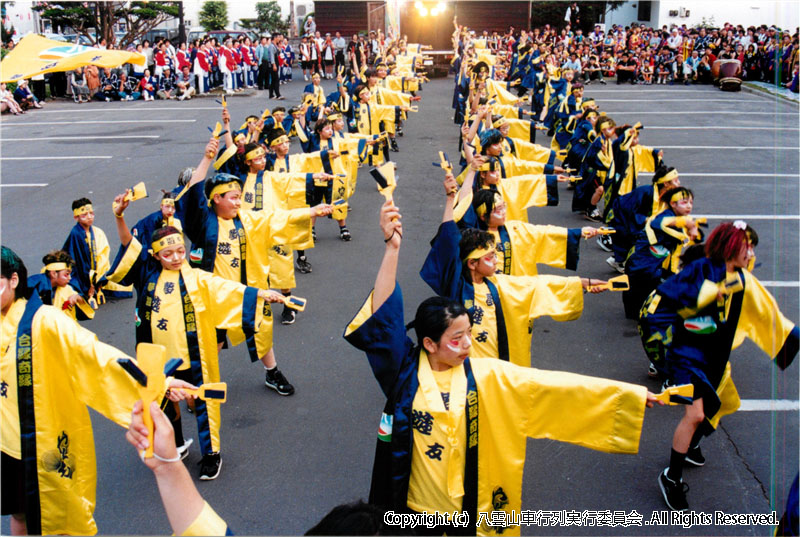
287, 461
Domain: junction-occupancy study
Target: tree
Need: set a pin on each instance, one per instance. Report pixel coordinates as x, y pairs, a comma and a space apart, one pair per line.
81, 17
214, 15
268, 19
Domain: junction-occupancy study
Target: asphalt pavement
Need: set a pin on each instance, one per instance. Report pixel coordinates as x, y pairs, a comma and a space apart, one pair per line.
289, 460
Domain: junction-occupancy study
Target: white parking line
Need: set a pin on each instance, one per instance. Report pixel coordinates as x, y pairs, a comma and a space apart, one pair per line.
719, 127
709, 112
655, 101
753, 174
746, 217
772, 405
65, 157
127, 109
22, 185
779, 284
80, 138
738, 147
97, 122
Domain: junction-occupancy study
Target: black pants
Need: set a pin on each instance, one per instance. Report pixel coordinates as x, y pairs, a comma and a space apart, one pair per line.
263, 75
274, 82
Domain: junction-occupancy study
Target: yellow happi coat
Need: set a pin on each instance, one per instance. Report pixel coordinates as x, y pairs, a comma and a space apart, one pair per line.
66, 370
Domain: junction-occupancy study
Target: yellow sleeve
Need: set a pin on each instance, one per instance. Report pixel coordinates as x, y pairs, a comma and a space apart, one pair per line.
669, 223
515, 167
289, 189
395, 98
306, 162
97, 379
528, 151
540, 244
227, 297
208, 522
519, 129
761, 320
596, 413
383, 112
558, 297
103, 251
279, 227
645, 161
522, 192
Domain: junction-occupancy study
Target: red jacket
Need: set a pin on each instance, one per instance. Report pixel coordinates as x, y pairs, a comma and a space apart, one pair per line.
183, 60
202, 60
161, 58
230, 59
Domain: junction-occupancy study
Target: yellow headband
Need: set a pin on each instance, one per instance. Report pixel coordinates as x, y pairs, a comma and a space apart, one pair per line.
667, 178
55, 266
678, 196
223, 189
279, 140
255, 153
238, 137
362, 91
478, 253
80, 211
168, 201
334, 117
481, 209
499, 123
173, 239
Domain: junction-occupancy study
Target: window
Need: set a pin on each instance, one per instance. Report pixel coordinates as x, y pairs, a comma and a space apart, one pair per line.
644, 10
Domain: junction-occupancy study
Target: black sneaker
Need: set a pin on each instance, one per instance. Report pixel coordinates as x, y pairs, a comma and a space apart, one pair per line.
593, 215
314, 234
210, 465
393, 145
652, 372
288, 316
302, 264
344, 234
278, 382
674, 493
695, 457
604, 242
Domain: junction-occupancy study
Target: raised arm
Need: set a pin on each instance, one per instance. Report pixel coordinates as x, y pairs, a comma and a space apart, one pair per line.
120, 204
392, 228
208, 157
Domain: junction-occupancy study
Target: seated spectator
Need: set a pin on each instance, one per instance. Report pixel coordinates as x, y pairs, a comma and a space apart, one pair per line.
109, 87
608, 64
185, 84
148, 86
24, 97
681, 71
692, 62
92, 74
592, 71
128, 87
167, 84
78, 86
7, 101
573, 63
663, 68
626, 69
703, 72
646, 68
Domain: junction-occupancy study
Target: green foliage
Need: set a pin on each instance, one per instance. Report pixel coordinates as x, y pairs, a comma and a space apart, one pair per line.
268, 19
214, 15
708, 22
139, 17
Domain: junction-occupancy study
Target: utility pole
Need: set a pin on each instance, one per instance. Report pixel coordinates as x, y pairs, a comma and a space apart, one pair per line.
181, 24
292, 30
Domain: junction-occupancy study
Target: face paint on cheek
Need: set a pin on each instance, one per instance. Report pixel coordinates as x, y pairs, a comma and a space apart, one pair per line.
487, 263
452, 347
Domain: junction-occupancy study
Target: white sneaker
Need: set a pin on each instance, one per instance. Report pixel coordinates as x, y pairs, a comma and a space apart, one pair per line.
619, 267
305, 77
182, 97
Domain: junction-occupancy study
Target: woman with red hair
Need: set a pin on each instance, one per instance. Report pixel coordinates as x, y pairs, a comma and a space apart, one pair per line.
718, 303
